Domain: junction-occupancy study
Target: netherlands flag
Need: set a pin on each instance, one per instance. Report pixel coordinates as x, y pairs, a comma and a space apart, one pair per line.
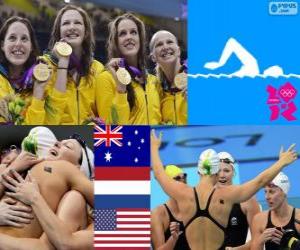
122, 189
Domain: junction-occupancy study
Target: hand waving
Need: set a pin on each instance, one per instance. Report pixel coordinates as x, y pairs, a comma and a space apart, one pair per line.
289, 156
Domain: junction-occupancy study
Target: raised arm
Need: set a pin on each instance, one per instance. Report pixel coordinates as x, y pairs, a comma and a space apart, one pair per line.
173, 188
244, 192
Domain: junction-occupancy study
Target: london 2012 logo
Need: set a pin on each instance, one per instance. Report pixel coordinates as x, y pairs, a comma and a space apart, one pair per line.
281, 101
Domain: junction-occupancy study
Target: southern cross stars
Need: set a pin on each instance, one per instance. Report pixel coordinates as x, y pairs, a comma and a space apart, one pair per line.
108, 156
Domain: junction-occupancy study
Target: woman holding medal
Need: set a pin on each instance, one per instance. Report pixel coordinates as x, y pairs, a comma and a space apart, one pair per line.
73, 82
22, 82
165, 52
127, 94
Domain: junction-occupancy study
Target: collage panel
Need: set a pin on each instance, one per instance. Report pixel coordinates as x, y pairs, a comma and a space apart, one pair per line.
85, 63
228, 180
122, 187
217, 187
243, 62
47, 191
93, 62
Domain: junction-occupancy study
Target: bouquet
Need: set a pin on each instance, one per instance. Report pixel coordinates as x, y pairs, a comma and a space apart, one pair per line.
12, 109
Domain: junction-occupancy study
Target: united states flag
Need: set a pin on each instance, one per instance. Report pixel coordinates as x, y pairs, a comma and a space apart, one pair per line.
123, 228
122, 190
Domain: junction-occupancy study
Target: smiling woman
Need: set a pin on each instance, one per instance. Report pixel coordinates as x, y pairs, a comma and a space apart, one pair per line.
136, 101
75, 72
165, 52
69, 150
18, 54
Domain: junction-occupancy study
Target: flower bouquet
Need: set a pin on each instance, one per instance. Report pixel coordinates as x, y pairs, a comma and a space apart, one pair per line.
12, 109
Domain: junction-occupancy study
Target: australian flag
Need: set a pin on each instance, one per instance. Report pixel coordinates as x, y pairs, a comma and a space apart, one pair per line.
122, 145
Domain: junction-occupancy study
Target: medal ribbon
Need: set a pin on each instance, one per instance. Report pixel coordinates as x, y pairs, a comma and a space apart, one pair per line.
184, 67
23, 82
134, 72
74, 62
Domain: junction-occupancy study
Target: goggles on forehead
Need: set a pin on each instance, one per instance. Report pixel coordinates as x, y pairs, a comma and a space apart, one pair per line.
180, 177
227, 161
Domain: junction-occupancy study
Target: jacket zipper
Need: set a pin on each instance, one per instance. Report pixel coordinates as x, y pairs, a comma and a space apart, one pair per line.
77, 82
146, 99
147, 108
77, 98
175, 108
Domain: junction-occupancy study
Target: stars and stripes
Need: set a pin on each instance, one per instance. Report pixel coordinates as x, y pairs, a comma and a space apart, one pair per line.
120, 228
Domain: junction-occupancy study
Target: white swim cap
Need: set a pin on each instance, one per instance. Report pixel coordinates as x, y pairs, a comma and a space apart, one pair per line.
208, 163
226, 158
282, 181
87, 165
45, 139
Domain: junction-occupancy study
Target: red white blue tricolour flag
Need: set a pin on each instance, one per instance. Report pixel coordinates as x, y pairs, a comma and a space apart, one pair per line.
122, 187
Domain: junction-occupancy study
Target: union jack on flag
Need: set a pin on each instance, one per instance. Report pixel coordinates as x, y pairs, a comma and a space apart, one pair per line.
108, 135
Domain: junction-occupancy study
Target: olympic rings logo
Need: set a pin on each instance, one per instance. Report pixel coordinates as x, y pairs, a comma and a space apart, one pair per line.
287, 92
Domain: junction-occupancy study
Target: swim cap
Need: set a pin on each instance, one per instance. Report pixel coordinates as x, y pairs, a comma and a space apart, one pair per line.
173, 171
282, 181
208, 163
84, 167
45, 139
226, 158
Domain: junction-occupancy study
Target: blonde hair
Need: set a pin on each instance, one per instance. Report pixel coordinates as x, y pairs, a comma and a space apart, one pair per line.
159, 73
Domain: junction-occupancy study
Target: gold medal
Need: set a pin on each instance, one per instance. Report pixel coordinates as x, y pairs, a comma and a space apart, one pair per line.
180, 80
123, 76
41, 72
63, 49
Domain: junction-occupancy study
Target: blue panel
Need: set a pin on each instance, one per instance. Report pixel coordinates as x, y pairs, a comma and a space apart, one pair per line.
272, 40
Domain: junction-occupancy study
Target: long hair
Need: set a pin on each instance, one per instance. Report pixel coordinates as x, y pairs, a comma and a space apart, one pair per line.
113, 49
34, 45
88, 43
